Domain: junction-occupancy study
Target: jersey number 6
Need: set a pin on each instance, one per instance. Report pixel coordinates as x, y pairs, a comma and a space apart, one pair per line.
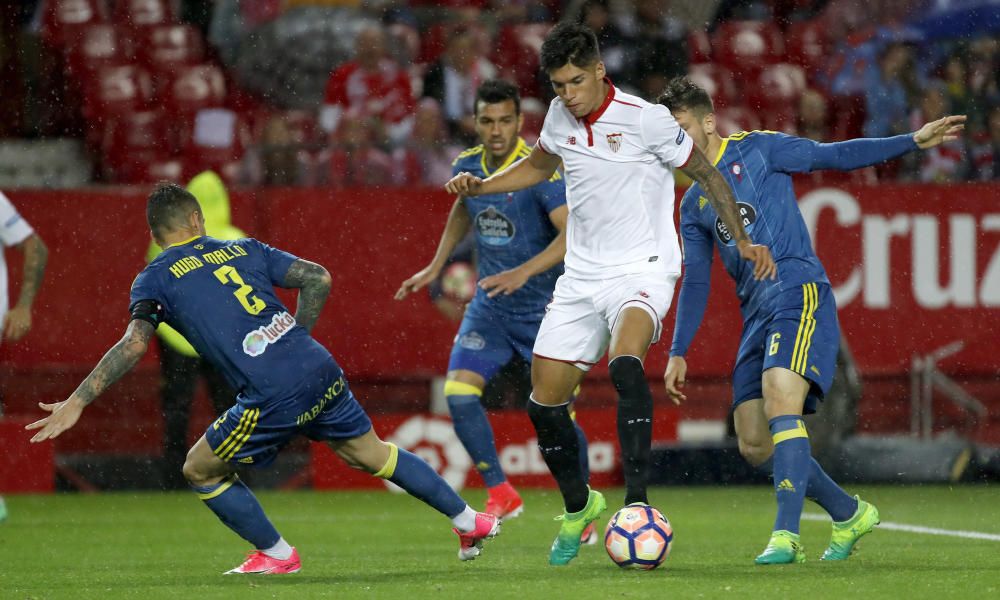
228, 275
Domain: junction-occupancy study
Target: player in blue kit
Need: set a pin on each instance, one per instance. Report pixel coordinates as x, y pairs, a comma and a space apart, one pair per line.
520, 243
219, 294
788, 348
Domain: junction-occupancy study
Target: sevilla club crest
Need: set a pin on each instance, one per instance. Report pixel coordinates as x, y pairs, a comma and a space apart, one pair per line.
615, 141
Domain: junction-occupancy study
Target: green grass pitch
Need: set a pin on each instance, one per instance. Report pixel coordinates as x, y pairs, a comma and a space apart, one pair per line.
380, 545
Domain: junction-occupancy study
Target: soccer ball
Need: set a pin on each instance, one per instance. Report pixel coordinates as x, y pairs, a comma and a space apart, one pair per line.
459, 281
638, 537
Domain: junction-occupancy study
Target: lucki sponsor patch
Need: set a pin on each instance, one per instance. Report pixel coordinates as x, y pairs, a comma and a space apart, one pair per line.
257, 341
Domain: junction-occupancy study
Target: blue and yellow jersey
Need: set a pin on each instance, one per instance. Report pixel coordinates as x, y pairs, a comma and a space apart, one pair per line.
510, 229
757, 165
219, 294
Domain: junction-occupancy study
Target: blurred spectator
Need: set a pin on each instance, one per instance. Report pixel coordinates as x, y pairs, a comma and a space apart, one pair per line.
274, 159
885, 96
596, 14
955, 77
455, 77
984, 79
658, 49
427, 156
373, 86
354, 158
984, 151
940, 164
813, 118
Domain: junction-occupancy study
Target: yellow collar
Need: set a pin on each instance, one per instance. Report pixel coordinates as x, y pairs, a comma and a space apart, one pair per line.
513, 156
187, 241
722, 150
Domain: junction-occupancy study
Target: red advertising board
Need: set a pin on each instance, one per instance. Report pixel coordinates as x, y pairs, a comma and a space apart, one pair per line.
433, 439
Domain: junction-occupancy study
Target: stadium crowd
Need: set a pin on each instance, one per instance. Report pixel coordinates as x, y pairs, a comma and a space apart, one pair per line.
346, 93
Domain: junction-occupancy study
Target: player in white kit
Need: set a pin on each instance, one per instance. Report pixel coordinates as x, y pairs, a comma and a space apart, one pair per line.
15, 323
622, 258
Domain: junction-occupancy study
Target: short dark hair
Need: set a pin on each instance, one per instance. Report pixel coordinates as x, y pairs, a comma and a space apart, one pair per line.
683, 94
569, 43
167, 206
493, 91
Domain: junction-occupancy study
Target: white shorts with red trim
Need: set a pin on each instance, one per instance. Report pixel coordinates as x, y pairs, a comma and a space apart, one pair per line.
578, 322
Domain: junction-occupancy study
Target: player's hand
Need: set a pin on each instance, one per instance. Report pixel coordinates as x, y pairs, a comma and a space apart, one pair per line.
420, 279
465, 184
938, 132
674, 378
64, 415
17, 323
505, 283
764, 266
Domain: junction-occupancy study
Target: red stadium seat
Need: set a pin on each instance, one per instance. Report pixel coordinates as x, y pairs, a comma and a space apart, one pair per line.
516, 54
807, 44
116, 90
216, 139
699, 47
63, 21
133, 143
99, 46
193, 88
735, 119
144, 13
166, 47
717, 81
747, 46
777, 88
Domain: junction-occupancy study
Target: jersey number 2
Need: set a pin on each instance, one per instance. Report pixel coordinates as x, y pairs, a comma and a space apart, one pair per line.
228, 275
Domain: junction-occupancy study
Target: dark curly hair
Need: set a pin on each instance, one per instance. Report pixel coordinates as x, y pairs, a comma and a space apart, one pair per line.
569, 43
683, 94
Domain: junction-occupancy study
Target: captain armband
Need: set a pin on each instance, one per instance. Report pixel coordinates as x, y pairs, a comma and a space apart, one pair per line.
149, 311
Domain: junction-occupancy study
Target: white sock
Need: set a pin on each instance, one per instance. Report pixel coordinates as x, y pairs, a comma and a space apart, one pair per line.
465, 521
281, 550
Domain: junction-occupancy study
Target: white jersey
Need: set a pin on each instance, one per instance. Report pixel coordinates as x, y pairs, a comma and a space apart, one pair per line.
619, 163
13, 231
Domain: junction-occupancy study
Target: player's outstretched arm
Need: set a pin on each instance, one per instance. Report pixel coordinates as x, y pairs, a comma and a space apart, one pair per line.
115, 363
454, 231
18, 320
721, 196
511, 280
314, 283
530, 170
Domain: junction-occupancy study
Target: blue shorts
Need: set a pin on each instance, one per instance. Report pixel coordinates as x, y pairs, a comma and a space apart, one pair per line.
800, 334
486, 341
322, 408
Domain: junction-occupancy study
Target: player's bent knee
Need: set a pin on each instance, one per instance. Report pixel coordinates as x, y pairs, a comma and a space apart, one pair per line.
755, 454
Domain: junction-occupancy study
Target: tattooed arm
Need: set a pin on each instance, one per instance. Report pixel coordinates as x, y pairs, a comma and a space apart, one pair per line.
313, 283
721, 196
18, 321
118, 361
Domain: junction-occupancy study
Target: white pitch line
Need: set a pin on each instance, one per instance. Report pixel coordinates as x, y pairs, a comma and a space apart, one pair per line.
972, 535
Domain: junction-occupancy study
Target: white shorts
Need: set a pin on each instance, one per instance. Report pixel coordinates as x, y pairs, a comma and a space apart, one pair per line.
578, 322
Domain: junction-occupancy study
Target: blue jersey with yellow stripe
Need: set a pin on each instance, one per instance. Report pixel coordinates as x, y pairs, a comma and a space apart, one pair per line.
509, 230
757, 166
219, 294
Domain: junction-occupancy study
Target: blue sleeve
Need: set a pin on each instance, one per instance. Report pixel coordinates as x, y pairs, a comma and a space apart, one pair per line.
551, 194
695, 285
276, 261
145, 287
792, 154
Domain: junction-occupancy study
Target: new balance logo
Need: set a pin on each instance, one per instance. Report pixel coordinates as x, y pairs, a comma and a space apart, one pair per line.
786, 486
571, 140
